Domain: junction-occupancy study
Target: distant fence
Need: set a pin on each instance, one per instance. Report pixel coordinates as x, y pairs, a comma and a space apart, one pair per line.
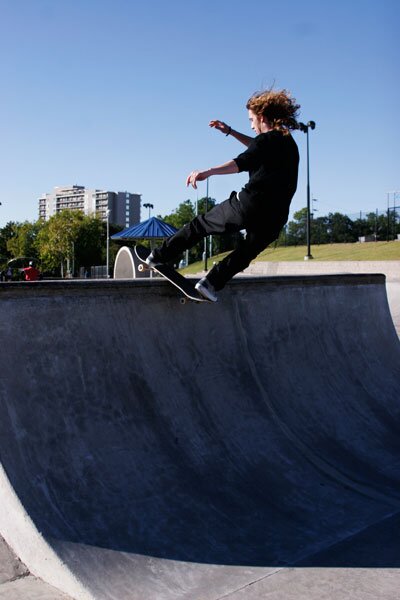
98, 272
380, 220
338, 227
392, 212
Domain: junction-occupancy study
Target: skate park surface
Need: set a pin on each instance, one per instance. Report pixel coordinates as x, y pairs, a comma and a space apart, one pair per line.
158, 451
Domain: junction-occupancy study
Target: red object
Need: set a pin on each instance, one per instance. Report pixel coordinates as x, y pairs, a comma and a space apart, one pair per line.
31, 274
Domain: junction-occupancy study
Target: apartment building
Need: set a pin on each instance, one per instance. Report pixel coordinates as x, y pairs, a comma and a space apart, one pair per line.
124, 207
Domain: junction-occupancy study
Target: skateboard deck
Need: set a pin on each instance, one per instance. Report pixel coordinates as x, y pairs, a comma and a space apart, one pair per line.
179, 281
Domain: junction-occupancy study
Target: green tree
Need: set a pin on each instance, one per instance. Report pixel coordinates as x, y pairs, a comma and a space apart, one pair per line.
319, 230
363, 227
22, 241
185, 212
388, 225
181, 215
6, 233
70, 240
90, 243
204, 204
341, 228
296, 229
57, 239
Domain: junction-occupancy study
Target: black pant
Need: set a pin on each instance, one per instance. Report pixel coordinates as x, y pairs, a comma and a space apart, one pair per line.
226, 217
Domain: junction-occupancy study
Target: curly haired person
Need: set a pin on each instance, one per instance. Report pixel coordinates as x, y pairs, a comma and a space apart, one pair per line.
262, 205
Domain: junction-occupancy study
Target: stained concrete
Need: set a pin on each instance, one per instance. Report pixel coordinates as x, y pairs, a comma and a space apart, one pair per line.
159, 451
389, 268
30, 588
11, 567
16, 582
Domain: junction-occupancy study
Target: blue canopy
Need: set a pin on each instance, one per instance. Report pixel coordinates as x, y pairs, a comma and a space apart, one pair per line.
153, 228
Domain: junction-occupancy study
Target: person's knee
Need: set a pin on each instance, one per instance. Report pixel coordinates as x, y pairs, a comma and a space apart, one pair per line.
250, 250
191, 231
257, 244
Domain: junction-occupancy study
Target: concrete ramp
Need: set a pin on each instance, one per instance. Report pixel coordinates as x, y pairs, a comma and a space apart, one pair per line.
157, 451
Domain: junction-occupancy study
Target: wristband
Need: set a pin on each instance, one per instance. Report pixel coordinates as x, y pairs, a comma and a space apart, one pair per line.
230, 129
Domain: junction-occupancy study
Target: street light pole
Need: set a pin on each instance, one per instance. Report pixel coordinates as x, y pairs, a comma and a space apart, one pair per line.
305, 128
149, 206
108, 244
205, 239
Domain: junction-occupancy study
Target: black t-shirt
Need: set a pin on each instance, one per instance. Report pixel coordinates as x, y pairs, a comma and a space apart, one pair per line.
272, 160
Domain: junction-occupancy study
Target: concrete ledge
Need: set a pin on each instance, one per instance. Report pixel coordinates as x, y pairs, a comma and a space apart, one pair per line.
390, 268
160, 287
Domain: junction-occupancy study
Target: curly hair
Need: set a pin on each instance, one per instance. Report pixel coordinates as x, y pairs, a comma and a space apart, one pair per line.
279, 108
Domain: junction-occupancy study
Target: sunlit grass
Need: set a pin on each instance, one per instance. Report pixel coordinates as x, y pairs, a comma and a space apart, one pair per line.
325, 252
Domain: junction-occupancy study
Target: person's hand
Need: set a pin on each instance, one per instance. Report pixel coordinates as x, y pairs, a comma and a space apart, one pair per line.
194, 177
221, 126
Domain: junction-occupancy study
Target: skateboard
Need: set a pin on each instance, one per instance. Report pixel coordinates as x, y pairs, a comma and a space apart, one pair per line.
179, 281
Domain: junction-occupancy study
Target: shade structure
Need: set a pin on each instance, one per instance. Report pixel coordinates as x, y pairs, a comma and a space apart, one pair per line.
151, 229
20, 261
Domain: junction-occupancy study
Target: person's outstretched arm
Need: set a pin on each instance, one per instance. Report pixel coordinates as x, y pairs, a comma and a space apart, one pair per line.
227, 130
226, 169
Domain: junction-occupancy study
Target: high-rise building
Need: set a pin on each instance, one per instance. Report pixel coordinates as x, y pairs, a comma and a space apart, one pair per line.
124, 207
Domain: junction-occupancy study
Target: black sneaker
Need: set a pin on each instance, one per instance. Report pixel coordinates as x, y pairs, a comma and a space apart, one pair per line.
206, 289
151, 261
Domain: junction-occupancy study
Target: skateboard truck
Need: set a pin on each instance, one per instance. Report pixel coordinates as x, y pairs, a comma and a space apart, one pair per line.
185, 286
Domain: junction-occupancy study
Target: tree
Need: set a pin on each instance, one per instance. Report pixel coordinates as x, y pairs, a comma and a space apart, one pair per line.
201, 204
69, 239
90, 242
6, 233
22, 241
57, 238
185, 212
341, 228
181, 215
296, 230
363, 227
390, 225
319, 230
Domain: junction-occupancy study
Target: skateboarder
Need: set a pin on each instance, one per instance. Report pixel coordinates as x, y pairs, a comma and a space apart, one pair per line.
262, 205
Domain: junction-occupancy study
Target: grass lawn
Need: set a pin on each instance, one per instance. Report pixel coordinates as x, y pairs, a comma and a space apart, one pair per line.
325, 252
365, 251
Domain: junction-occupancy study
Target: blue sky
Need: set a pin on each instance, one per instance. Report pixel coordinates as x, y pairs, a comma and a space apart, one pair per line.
117, 95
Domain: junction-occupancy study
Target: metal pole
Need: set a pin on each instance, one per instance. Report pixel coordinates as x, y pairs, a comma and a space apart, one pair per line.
205, 239
388, 218
305, 129
108, 244
308, 201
